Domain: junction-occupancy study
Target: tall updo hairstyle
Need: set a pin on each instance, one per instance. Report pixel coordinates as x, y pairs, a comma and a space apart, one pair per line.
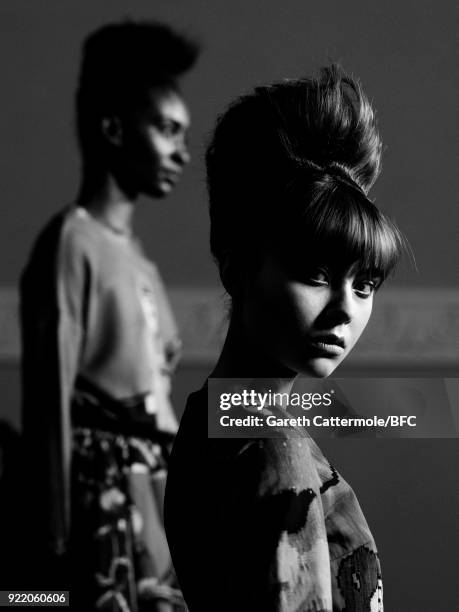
289, 169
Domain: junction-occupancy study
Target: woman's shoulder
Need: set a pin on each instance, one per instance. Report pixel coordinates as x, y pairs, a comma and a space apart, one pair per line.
68, 228
80, 231
46, 248
193, 441
286, 459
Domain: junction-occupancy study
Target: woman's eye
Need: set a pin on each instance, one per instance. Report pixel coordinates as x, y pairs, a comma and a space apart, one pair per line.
364, 288
318, 277
167, 130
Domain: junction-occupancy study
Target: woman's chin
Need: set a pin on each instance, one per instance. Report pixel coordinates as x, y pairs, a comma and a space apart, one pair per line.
319, 367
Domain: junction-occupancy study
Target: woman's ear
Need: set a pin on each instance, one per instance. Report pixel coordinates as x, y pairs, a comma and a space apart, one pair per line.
112, 130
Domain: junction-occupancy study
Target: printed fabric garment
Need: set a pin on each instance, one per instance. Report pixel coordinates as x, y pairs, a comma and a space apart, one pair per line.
279, 527
92, 308
112, 568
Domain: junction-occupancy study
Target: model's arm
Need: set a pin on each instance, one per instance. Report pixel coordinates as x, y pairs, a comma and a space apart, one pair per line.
168, 326
278, 508
172, 346
52, 301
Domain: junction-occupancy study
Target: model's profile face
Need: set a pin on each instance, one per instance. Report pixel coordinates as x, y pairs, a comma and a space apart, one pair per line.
154, 143
308, 323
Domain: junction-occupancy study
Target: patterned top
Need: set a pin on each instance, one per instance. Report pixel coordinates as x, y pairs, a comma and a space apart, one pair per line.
92, 305
281, 530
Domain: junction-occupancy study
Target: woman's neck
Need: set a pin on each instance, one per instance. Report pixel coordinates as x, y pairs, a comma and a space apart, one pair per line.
108, 203
243, 358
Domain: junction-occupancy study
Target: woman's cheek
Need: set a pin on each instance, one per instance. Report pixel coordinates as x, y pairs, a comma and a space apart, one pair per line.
361, 321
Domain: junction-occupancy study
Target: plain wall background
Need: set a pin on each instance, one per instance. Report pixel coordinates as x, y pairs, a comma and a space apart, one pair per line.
406, 54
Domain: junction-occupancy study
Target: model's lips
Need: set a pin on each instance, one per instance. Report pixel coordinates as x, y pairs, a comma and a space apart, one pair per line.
169, 177
329, 344
173, 175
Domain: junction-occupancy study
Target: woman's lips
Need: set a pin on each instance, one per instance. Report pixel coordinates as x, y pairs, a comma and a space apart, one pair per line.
328, 349
171, 179
329, 344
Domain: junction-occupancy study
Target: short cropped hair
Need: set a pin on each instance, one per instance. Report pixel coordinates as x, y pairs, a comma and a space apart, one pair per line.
289, 168
120, 63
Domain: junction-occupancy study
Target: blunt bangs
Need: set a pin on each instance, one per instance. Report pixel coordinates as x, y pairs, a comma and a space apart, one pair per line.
341, 227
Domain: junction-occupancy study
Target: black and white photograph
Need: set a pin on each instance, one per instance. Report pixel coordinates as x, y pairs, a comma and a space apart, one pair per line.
229, 306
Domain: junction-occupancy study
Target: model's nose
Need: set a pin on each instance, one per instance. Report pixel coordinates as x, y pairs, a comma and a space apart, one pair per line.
182, 155
340, 309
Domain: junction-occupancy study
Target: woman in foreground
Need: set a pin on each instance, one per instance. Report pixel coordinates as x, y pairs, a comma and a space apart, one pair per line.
301, 250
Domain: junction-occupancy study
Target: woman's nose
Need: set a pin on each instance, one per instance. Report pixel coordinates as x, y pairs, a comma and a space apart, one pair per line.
182, 154
340, 308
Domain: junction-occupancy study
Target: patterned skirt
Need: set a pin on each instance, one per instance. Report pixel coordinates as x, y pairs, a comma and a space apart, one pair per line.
120, 560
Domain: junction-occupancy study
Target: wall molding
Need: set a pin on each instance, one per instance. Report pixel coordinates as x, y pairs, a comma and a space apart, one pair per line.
408, 327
